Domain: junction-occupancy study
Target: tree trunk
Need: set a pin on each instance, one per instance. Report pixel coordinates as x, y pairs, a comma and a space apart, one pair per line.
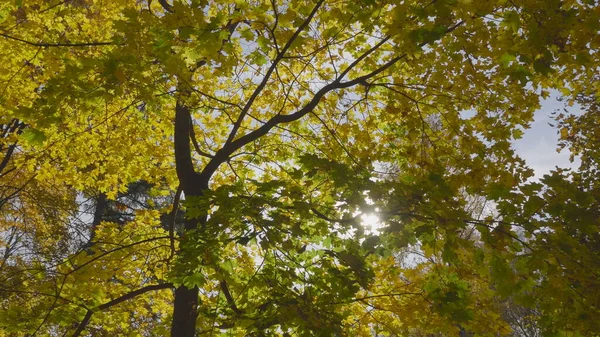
185, 307
185, 312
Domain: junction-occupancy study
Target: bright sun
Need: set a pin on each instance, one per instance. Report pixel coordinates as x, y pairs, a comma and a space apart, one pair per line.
371, 222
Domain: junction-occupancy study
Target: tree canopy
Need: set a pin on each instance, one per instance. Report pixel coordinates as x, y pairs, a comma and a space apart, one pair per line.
207, 168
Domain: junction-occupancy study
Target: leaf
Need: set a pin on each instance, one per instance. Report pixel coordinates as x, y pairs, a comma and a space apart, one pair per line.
263, 43
506, 59
259, 59
512, 20
145, 144
247, 34
564, 133
34, 136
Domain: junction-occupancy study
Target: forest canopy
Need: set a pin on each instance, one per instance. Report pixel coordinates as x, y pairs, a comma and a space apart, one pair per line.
296, 168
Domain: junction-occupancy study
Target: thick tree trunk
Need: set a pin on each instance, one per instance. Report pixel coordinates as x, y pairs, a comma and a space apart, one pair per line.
185, 306
185, 312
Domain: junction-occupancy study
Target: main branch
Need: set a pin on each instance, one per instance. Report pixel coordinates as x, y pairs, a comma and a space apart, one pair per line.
272, 68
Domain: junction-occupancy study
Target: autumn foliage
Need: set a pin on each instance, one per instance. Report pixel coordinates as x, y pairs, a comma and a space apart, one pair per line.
205, 168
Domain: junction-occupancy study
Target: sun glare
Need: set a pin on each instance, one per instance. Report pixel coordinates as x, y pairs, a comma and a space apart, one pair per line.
371, 223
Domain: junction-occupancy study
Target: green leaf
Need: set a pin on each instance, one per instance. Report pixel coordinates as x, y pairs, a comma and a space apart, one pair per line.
506, 59
34, 136
512, 20
542, 66
259, 58
247, 34
263, 43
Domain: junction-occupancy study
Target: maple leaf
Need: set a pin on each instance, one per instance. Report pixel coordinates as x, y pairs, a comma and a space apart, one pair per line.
228, 150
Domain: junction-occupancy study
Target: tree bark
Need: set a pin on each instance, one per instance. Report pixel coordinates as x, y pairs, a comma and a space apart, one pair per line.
185, 312
185, 307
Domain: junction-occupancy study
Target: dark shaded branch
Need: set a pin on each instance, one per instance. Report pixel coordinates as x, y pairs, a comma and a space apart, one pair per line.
25, 64
59, 44
15, 125
128, 296
97, 257
133, 294
53, 6
4, 200
214, 98
363, 56
185, 305
7, 156
166, 5
272, 68
83, 323
231, 26
385, 66
192, 183
172, 219
58, 292
328, 219
195, 141
230, 300
362, 299
222, 155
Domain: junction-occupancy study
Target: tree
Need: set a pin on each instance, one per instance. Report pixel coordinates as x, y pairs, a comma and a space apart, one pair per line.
275, 119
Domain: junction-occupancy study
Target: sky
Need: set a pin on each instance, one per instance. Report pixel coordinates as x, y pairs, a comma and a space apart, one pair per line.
539, 143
